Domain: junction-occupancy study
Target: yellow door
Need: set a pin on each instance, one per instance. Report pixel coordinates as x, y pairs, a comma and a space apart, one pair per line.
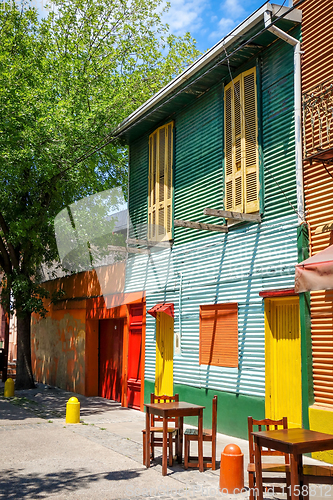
283, 360
164, 355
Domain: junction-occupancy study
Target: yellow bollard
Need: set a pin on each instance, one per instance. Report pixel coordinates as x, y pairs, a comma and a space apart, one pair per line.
9, 388
73, 411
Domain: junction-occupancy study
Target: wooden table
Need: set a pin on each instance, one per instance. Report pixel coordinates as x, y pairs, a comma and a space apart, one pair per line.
292, 441
179, 410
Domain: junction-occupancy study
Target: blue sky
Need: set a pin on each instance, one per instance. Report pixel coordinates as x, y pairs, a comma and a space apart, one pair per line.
209, 20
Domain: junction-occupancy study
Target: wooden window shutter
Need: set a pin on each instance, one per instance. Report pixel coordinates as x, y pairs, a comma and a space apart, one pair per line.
241, 151
251, 157
160, 183
219, 335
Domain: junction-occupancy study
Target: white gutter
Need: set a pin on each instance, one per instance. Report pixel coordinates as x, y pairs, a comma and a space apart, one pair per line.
210, 55
298, 109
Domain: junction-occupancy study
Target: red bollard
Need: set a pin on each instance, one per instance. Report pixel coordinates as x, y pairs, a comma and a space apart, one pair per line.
232, 469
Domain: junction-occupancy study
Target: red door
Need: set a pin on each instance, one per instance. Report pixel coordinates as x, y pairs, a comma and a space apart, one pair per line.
110, 358
134, 356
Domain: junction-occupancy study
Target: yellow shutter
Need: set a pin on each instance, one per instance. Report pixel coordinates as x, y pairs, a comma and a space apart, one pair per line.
251, 157
241, 152
160, 183
228, 150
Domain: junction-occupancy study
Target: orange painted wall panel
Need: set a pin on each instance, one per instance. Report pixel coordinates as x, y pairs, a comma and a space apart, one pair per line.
317, 85
65, 344
58, 349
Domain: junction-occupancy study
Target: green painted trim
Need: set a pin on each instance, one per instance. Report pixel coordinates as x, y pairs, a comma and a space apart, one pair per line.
305, 320
232, 409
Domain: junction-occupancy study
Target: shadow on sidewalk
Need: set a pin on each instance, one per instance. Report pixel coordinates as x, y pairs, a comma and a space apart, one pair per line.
50, 402
34, 486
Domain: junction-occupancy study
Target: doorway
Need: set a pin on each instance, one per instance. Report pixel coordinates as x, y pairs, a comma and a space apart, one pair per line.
134, 356
110, 358
164, 354
283, 360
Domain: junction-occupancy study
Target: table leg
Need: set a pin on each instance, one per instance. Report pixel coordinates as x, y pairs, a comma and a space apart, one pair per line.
165, 447
180, 440
300, 473
147, 438
294, 477
258, 482
200, 442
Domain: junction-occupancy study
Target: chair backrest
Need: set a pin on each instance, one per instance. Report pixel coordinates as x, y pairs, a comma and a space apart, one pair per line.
265, 424
214, 417
163, 399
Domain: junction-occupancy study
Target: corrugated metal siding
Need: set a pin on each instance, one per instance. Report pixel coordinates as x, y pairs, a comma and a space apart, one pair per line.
318, 186
231, 267
317, 68
317, 28
198, 162
278, 129
219, 269
138, 190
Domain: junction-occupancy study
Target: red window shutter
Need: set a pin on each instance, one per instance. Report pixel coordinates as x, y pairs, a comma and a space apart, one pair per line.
219, 335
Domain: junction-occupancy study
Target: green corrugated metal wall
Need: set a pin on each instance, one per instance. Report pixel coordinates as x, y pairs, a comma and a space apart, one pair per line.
138, 188
217, 267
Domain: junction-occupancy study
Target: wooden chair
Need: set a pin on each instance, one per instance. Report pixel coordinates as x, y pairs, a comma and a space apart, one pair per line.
208, 435
261, 425
316, 474
156, 429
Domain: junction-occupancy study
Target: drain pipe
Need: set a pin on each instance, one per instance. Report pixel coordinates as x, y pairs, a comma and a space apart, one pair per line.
298, 109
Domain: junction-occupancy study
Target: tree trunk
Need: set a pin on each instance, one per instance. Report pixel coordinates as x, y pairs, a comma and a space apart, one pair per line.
24, 377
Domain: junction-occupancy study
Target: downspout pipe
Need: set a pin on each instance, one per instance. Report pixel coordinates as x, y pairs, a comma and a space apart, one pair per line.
298, 109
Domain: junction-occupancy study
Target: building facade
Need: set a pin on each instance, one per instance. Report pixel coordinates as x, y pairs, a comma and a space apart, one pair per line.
317, 93
213, 174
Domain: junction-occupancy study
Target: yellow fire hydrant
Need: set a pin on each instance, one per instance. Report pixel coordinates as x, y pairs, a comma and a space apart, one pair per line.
9, 388
73, 411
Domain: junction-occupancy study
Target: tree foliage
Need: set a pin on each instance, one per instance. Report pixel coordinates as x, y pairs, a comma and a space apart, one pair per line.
66, 80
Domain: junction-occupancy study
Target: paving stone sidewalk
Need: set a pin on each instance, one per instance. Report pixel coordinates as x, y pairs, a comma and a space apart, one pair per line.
100, 458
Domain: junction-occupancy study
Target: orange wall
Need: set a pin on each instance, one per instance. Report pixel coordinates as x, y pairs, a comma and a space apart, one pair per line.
59, 340
65, 342
58, 349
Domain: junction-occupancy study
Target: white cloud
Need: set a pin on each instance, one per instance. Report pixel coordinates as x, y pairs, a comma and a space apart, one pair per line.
234, 9
233, 12
224, 26
184, 15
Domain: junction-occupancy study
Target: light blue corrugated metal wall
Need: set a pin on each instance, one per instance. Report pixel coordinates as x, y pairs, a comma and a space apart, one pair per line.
231, 267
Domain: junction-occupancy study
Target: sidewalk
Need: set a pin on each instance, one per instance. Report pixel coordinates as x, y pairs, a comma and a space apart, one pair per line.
100, 458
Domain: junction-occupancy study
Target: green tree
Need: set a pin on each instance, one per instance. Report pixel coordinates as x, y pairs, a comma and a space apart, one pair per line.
66, 80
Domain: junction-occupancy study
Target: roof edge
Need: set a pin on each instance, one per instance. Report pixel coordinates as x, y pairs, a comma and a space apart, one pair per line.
291, 14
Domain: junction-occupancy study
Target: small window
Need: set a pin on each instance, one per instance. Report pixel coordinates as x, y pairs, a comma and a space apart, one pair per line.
219, 335
160, 183
241, 187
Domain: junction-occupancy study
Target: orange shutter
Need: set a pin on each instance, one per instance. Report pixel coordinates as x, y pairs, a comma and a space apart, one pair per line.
219, 335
